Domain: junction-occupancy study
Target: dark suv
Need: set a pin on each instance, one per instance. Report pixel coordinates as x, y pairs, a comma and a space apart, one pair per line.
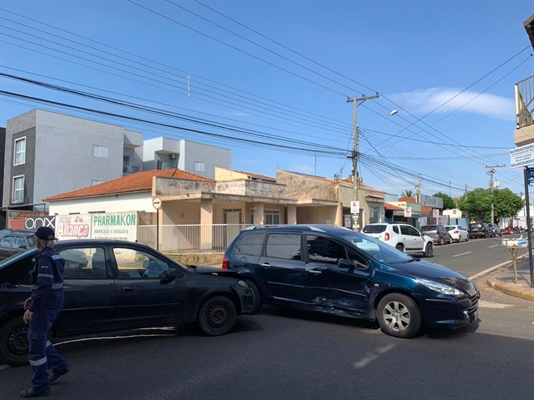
480, 230
335, 270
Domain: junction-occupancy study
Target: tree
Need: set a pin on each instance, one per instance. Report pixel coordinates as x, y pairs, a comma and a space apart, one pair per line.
407, 193
477, 204
506, 204
448, 202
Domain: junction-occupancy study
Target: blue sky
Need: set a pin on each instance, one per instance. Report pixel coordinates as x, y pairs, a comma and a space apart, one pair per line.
274, 77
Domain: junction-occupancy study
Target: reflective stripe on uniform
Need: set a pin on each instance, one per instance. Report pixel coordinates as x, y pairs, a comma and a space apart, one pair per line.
36, 363
45, 276
34, 287
57, 285
48, 343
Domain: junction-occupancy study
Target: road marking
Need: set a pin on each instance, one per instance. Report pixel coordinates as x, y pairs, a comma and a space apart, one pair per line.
371, 356
489, 304
462, 254
489, 247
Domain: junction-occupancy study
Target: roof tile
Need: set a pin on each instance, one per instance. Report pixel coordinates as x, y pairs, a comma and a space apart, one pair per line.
138, 182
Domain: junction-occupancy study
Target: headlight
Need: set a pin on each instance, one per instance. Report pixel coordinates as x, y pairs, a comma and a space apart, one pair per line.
243, 283
439, 287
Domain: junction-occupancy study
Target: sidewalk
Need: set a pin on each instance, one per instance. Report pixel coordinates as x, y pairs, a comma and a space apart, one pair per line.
502, 278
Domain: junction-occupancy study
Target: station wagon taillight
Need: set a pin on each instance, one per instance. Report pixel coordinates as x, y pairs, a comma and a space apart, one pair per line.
455, 232
224, 262
386, 237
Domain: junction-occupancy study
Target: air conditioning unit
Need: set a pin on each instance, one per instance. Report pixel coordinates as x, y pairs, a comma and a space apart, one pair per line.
172, 156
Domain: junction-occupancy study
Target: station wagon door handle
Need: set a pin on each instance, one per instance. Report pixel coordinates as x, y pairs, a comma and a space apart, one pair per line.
127, 289
265, 265
314, 271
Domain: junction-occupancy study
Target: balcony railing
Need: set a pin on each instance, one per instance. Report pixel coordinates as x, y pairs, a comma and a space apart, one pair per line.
130, 168
524, 102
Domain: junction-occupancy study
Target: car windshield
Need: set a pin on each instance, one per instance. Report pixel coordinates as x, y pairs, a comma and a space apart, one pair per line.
374, 228
380, 251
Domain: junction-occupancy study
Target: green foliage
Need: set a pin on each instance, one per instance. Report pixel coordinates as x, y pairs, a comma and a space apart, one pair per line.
507, 204
477, 204
448, 202
408, 193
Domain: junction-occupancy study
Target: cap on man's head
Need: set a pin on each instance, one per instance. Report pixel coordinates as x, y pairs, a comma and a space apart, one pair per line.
45, 233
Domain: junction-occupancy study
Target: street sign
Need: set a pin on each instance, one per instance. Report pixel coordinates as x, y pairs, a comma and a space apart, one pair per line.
355, 207
435, 213
156, 202
408, 212
522, 156
530, 173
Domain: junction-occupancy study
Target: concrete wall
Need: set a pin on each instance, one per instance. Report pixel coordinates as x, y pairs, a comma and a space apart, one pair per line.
223, 174
251, 188
171, 186
316, 215
180, 213
111, 204
524, 136
303, 186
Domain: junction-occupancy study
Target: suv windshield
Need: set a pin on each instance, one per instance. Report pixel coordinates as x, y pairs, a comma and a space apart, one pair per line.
374, 228
375, 248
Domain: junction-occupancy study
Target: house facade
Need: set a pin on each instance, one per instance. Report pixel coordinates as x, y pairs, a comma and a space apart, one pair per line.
197, 158
48, 153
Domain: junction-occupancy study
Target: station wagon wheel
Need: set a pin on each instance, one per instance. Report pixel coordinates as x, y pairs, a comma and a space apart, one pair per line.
14, 343
429, 250
399, 315
217, 316
400, 247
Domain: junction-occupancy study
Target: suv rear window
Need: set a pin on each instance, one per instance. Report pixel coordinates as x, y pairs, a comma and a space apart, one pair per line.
429, 228
374, 228
250, 244
474, 226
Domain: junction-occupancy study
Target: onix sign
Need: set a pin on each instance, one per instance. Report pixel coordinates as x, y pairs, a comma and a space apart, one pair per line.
33, 223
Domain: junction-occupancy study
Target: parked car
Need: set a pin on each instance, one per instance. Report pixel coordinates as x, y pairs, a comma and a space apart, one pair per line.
508, 230
402, 236
116, 285
458, 232
438, 233
335, 270
478, 230
496, 229
15, 241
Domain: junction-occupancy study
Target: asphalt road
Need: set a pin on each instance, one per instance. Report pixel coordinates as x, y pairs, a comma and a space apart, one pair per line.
473, 256
288, 354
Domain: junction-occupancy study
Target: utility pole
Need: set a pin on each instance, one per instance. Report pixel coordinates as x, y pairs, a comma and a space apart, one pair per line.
354, 156
490, 172
418, 192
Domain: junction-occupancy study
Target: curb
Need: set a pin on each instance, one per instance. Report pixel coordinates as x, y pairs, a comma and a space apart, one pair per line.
512, 291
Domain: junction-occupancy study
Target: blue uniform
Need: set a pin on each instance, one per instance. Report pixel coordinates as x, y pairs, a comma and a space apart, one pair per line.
47, 302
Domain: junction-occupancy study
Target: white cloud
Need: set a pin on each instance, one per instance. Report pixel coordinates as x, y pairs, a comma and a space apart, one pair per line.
424, 101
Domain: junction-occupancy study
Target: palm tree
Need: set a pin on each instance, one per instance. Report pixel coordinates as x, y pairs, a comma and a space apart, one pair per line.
407, 193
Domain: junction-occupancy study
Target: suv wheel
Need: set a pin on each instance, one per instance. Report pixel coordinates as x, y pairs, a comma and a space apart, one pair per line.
429, 250
399, 315
14, 342
217, 316
400, 247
